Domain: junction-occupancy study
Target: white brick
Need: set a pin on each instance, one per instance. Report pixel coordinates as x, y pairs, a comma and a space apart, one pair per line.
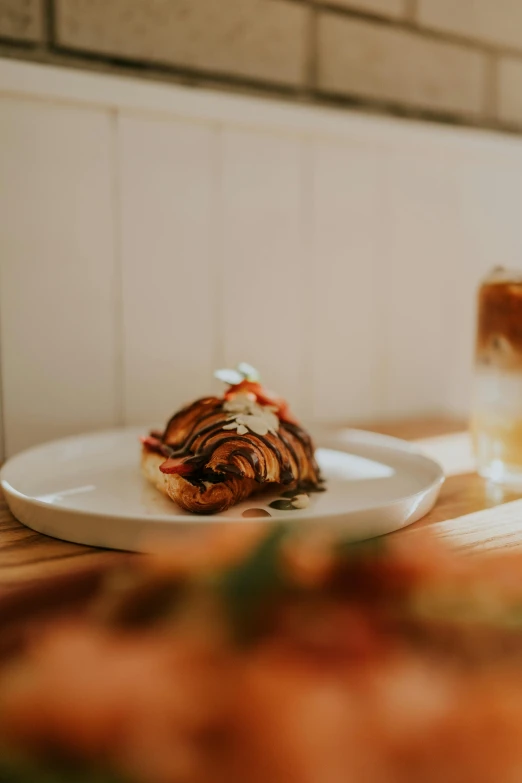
258, 39
362, 59
490, 21
390, 8
509, 90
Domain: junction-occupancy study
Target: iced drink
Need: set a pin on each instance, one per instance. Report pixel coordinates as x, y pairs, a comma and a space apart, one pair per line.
497, 404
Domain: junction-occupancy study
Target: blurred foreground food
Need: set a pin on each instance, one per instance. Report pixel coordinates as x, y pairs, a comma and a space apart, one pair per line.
260, 656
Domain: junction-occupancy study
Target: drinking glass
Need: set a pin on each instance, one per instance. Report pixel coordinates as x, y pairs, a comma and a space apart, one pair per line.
496, 423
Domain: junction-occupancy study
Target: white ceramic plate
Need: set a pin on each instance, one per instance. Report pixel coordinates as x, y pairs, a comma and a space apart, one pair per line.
89, 489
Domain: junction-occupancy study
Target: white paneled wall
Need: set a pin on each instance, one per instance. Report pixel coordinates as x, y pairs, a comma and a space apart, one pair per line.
418, 277
265, 256
57, 285
349, 251
150, 233
170, 273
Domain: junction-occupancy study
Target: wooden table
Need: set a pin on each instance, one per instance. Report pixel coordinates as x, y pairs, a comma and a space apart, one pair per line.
26, 555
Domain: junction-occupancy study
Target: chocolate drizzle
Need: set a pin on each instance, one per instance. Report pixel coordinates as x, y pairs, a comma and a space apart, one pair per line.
192, 437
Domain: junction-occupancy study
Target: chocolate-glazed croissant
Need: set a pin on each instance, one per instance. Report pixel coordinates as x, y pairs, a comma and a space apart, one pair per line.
218, 451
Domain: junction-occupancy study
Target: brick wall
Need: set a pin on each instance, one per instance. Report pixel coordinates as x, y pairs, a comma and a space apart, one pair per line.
452, 60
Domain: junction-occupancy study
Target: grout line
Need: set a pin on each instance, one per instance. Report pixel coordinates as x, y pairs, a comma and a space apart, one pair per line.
25, 47
159, 70
365, 15
118, 323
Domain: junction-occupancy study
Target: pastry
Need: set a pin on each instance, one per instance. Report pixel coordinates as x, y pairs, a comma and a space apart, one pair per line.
217, 451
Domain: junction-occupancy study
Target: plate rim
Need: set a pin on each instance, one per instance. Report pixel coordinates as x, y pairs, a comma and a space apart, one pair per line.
325, 440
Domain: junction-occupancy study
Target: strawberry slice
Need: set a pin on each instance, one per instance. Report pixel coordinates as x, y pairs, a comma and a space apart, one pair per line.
177, 465
151, 441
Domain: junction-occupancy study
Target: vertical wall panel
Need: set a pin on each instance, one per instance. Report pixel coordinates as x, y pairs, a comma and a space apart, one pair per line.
56, 271
419, 266
489, 218
263, 306
169, 264
347, 293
